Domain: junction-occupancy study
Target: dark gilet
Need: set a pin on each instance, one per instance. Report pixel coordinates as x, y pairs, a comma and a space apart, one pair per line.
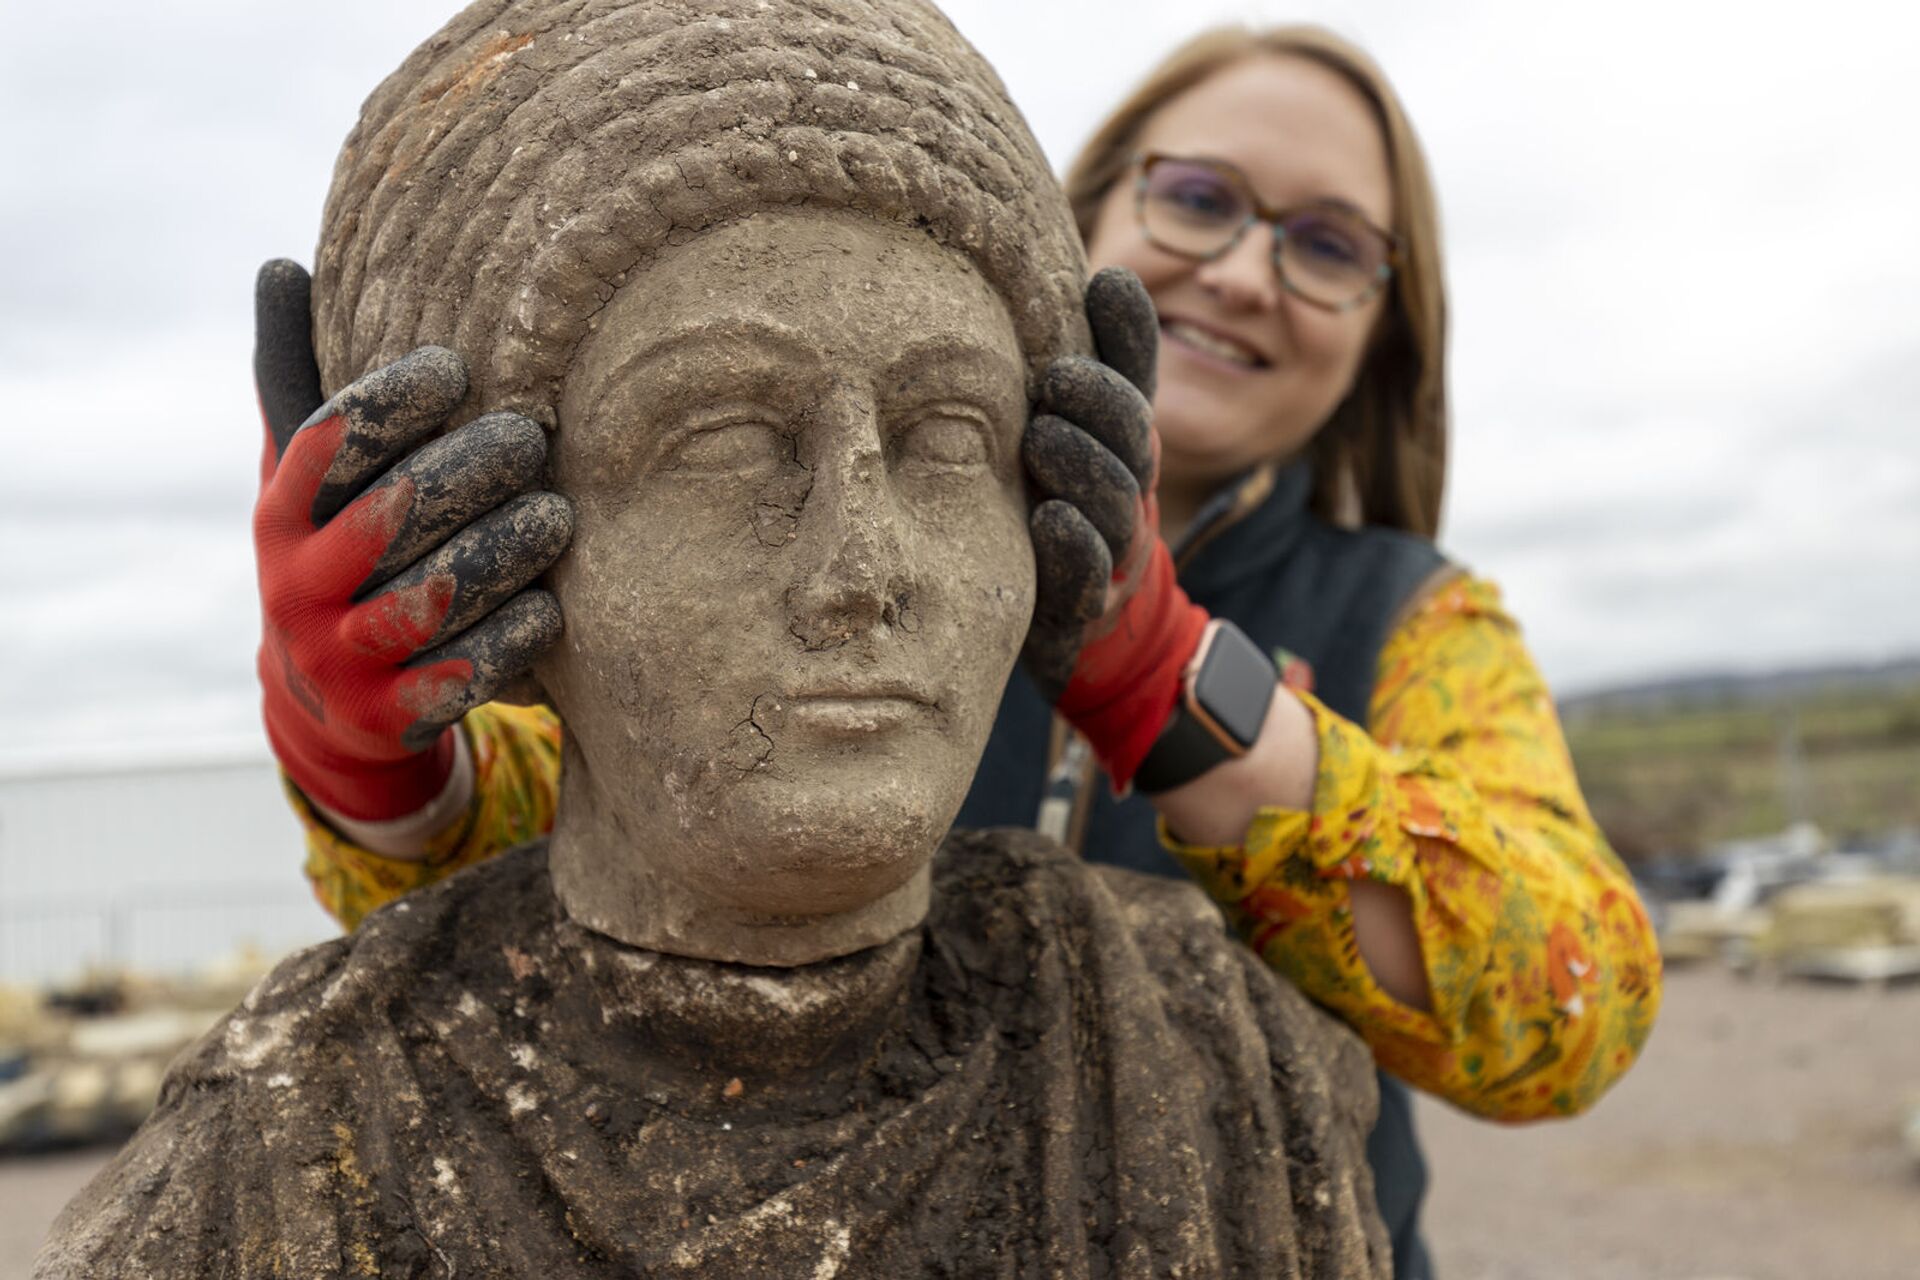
1293, 583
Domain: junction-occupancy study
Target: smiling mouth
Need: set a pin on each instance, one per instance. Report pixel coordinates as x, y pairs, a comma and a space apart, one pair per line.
1217, 345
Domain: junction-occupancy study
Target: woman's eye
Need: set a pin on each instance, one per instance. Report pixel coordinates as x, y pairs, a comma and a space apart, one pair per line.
1204, 200
1329, 248
738, 448
1323, 241
944, 443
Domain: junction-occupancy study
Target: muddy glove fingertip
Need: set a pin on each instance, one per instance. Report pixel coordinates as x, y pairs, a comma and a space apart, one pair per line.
285, 375
1126, 328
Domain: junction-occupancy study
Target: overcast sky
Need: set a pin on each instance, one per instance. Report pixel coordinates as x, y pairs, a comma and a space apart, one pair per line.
1681, 242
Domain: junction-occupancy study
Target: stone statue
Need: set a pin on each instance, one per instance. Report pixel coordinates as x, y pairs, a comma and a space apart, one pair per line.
779, 274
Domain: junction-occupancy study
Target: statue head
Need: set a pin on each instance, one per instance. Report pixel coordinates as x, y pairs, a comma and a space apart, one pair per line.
780, 276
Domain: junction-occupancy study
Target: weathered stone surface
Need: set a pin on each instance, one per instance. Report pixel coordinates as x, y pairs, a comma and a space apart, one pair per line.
786, 708
502, 182
1067, 1071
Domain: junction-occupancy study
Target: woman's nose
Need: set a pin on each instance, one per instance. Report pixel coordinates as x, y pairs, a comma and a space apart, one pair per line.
1245, 277
853, 571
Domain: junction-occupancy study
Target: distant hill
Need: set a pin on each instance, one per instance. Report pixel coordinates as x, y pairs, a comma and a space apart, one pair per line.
1680, 764
1745, 688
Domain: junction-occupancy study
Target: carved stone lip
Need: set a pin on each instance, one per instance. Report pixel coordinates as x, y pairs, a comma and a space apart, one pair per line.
863, 691
845, 716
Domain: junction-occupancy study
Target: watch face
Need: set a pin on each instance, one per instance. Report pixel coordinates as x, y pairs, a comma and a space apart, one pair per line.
1235, 685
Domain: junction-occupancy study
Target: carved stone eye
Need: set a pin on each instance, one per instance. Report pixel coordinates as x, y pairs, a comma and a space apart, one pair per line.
944, 442
738, 448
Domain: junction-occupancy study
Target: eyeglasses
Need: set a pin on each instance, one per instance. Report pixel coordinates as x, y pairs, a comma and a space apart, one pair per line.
1325, 253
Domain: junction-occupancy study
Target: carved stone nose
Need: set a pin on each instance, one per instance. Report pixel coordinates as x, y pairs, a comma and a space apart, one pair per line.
856, 579
848, 596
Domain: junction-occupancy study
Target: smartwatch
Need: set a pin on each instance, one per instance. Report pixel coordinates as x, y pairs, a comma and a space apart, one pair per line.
1225, 691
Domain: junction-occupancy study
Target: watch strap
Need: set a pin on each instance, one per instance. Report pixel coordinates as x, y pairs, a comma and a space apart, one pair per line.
1183, 751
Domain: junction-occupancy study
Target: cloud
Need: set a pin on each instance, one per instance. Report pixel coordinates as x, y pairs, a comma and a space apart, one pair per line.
178, 146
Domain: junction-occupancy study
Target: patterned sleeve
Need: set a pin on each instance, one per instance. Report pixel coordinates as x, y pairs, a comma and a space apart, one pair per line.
516, 784
1542, 964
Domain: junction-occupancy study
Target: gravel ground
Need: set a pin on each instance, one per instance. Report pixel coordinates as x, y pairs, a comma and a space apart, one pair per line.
34, 1189
1758, 1139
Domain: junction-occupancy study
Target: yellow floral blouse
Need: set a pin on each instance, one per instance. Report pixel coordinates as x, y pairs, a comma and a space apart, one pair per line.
1543, 968
516, 787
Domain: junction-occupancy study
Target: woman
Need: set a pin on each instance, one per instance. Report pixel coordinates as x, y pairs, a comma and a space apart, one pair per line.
1401, 832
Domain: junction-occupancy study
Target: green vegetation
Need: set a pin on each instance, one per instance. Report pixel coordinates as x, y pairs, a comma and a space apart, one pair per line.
1678, 776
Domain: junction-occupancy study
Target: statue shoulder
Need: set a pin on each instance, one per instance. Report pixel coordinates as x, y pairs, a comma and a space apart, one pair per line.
1132, 987
273, 1097
1012, 883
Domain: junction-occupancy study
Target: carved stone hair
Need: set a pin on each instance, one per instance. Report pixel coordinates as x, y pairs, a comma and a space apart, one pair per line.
501, 184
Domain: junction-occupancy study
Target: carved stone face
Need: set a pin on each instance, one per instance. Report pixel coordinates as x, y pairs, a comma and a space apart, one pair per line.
799, 578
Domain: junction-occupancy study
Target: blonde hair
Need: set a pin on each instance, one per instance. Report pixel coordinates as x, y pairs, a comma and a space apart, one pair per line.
1382, 454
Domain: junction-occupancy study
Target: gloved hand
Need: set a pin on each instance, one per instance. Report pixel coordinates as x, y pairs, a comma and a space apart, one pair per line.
1112, 629
391, 578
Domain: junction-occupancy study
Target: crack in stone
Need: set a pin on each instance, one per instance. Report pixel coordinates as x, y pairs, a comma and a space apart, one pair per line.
819, 644
764, 748
775, 518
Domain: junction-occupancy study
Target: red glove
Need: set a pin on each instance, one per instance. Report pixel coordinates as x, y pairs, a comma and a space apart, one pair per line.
1112, 629
392, 595
1128, 680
